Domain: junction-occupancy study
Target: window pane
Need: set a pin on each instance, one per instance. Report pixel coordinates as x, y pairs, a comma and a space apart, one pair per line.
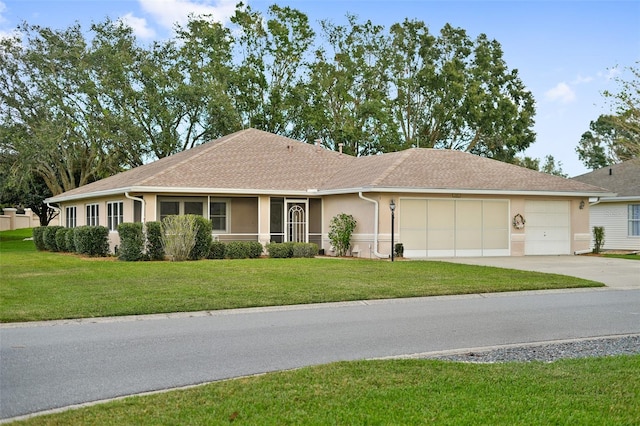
218, 208
219, 216
277, 216
218, 223
193, 207
169, 208
634, 220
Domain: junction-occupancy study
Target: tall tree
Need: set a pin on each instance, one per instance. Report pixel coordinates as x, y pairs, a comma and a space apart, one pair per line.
455, 93
347, 90
549, 166
51, 102
615, 138
272, 54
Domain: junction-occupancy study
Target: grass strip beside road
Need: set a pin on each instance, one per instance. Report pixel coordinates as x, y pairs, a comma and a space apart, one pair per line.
399, 392
47, 286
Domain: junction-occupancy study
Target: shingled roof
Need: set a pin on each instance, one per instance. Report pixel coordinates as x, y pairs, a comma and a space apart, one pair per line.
260, 162
622, 178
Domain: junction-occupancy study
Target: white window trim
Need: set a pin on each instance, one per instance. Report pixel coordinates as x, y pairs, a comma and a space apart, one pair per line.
227, 203
92, 217
630, 220
181, 201
119, 217
74, 217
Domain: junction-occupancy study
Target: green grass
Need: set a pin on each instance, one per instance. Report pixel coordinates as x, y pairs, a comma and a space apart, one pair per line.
44, 286
594, 391
635, 256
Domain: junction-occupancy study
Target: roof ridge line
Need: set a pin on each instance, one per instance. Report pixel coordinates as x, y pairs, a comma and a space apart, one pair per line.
214, 144
392, 167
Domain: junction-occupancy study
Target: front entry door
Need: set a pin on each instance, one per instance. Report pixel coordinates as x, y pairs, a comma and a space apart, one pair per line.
297, 218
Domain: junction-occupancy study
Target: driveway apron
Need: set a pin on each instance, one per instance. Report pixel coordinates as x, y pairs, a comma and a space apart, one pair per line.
614, 273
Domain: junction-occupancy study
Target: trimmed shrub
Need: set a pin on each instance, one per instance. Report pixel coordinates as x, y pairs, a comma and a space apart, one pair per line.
255, 249
280, 250
38, 237
179, 236
70, 241
92, 240
304, 250
155, 250
598, 238
399, 250
131, 242
236, 250
61, 238
203, 239
216, 250
50, 237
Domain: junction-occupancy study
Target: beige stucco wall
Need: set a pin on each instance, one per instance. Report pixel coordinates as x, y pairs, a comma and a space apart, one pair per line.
363, 211
256, 212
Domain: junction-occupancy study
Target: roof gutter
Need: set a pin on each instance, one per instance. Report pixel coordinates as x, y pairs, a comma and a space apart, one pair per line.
375, 225
144, 206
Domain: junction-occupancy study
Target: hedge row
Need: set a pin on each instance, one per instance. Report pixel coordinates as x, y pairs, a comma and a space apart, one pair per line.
286, 250
88, 240
134, 246
235, 250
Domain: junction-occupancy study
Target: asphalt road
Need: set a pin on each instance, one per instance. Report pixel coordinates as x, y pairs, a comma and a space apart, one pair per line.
56, 364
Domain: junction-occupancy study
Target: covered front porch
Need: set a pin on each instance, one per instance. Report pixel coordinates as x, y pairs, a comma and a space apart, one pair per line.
260, 218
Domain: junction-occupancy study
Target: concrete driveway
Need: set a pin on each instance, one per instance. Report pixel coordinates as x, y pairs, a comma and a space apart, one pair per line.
615, 273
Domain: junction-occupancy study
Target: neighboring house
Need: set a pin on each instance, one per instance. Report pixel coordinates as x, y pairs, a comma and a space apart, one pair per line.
255, 185
619, 214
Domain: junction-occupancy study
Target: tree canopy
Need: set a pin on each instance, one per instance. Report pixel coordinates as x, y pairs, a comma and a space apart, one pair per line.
77, 104
615, 138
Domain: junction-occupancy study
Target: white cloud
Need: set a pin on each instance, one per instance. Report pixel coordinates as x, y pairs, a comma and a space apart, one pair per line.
561, 93
138, 25
581, 80
170, 12
612, 73
3, 32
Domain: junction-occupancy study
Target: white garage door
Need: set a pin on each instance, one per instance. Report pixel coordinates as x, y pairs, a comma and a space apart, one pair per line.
440, 227
547, 228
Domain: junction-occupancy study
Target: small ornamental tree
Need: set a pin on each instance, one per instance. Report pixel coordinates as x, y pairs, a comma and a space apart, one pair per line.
598, 238
340, 230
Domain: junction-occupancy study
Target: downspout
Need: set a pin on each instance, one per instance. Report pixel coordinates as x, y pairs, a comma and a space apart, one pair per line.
58, 210
144, 206
375, 227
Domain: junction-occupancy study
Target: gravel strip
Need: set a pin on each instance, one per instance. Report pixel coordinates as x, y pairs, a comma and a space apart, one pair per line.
549, 352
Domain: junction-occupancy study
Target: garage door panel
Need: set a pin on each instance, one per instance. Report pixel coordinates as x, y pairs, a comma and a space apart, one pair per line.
441, 239
414, 238
547, 229
496, 239
436, 228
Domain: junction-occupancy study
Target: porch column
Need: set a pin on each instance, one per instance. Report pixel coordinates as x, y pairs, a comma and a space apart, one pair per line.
264, 212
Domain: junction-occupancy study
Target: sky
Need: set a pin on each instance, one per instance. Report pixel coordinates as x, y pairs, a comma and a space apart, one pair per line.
567, 53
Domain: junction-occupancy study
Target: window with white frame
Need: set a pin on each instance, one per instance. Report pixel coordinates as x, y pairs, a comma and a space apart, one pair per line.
70, 216
114, 215
218, 215
93, 216
634, 220
168, 206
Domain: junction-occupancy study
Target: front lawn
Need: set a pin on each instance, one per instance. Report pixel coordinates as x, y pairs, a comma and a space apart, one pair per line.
595, 391
45, 286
